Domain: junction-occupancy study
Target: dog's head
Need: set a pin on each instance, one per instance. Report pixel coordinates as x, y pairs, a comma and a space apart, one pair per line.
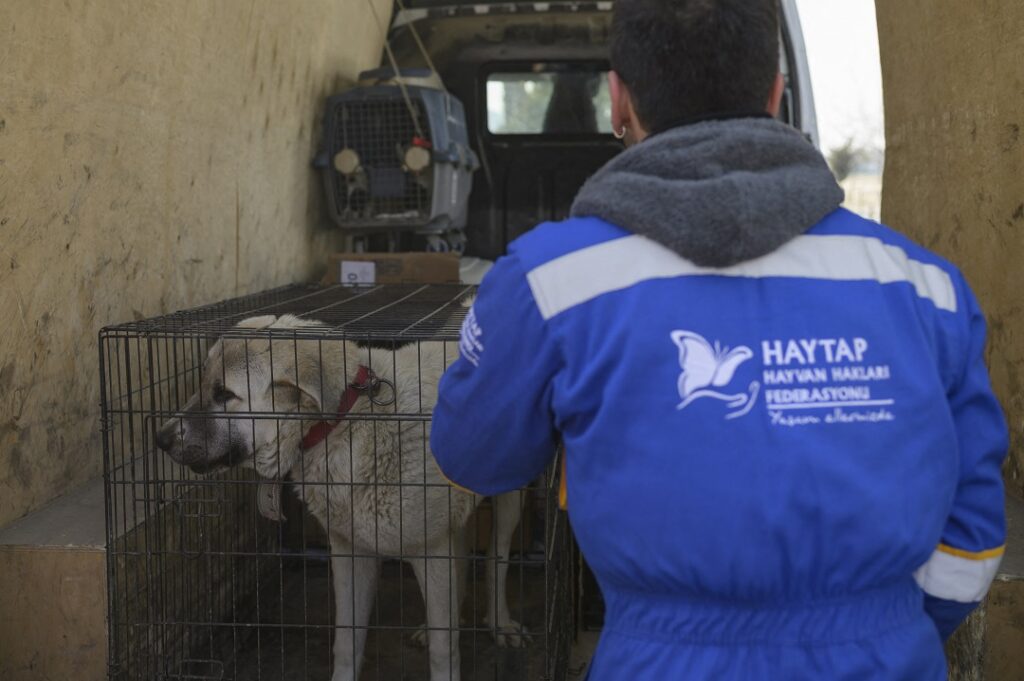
248, 381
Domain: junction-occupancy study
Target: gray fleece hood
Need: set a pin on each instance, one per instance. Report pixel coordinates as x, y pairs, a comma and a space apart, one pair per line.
718, 192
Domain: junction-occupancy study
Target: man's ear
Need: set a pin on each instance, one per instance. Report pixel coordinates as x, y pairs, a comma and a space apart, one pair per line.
775, 97
624, 118
619, 95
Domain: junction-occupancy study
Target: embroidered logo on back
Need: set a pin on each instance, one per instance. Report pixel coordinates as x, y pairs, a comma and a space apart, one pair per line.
470, 343
707, 367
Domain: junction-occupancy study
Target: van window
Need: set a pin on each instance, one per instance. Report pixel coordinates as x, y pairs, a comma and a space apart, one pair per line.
549, 103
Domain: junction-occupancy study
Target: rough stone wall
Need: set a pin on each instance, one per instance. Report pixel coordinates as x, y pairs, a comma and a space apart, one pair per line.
954, 176
153, 156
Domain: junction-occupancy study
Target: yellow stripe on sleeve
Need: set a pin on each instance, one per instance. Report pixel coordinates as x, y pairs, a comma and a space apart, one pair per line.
973, 555
957, 575
563, 488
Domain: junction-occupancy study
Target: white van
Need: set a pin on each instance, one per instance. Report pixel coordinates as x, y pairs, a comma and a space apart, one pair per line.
531, 78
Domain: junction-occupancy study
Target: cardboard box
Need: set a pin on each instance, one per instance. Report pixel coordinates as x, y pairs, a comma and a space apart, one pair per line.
392, 268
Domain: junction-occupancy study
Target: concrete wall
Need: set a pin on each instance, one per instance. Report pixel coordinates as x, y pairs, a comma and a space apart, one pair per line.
954, 176
153, 156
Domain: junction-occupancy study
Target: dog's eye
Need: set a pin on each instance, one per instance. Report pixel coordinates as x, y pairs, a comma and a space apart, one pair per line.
222, 395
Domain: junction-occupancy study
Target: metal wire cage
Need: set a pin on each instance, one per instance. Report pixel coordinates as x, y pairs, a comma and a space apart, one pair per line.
243, 545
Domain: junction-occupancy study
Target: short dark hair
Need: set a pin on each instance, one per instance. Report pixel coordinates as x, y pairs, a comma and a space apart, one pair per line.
690, 58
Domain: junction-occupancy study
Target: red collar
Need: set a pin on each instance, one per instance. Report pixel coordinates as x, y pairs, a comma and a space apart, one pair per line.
364, 382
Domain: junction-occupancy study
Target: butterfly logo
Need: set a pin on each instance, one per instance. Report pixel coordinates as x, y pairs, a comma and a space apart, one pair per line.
470, 343
707, 367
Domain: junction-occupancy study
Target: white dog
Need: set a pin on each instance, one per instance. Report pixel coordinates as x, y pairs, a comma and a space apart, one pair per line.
370, 481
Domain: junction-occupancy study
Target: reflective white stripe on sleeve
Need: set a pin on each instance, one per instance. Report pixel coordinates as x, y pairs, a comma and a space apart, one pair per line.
953, 578
577, 277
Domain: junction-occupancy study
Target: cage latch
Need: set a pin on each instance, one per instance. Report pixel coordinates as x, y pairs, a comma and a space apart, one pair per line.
195, 506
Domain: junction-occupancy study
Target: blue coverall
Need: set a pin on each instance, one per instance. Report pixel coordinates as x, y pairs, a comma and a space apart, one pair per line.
785, 469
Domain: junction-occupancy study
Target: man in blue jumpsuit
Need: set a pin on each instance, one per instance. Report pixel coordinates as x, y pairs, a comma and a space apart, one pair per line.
782, 449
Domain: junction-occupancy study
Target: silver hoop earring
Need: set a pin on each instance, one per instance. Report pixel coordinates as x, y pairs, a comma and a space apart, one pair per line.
620, 134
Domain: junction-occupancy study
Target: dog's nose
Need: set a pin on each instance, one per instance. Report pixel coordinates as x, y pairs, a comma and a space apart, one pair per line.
165, 438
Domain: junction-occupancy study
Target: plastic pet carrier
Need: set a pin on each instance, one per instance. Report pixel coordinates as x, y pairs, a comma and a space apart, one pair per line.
396, 154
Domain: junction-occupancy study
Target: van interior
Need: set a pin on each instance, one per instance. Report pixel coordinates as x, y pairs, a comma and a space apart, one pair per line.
532, 79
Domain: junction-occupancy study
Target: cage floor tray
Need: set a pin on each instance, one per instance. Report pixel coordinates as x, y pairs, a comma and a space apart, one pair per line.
301, 649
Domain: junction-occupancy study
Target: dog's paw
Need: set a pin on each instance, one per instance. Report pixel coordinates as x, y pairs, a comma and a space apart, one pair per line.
512, 634
419, 637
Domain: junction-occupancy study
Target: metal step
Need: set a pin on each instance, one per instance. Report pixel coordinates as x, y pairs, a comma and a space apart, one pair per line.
53, 564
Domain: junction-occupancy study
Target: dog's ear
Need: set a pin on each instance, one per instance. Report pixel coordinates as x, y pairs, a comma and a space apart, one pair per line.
257, 322
304, 398
268, 500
